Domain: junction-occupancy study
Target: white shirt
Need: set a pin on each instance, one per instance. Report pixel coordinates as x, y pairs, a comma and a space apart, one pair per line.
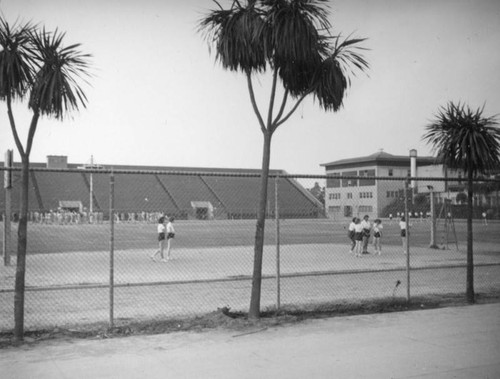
170, 228
161, 228
352, 226
366, 224
402, 225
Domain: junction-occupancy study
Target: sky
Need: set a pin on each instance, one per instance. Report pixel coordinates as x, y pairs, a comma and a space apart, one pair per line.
157, 96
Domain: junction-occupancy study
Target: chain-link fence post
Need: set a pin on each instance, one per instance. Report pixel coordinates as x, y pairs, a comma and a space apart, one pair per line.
432, 244
8, 208
111, 247
407, 237
277, 217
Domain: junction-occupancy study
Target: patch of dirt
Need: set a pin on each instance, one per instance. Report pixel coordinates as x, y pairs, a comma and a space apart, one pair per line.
224, 318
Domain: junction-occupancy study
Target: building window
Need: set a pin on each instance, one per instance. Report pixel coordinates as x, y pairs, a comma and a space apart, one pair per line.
391, 172
349, 182
334, 209
334, 196
332, 181
365, 209
349, 195
365, 195
366, 182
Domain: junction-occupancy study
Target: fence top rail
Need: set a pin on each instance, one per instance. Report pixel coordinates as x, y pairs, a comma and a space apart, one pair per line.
249, 175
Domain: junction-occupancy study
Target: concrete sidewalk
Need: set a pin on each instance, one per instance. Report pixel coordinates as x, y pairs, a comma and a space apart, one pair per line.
461, 342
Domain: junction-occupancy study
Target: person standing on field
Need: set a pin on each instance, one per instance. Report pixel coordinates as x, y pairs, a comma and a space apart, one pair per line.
366, 233
170, 235
161, 240
350, 234
377, 233
402, 225
358, 236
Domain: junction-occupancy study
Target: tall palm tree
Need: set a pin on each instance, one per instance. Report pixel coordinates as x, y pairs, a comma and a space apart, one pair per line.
466, 140
292, 38
37, 68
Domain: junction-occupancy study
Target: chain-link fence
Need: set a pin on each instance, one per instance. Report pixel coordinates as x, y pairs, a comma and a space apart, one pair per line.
92, 236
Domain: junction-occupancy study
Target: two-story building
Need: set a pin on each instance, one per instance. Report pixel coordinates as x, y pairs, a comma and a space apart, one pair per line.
351, 196
348, 194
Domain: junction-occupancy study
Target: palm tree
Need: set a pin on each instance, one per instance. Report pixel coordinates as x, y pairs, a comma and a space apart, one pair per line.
466, 140
35, 66
292, 38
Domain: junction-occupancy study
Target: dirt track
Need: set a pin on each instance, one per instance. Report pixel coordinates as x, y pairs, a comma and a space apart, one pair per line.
74, 286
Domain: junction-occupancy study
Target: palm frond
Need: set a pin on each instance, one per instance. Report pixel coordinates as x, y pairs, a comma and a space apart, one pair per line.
347, 53
16, 59
295, 45
330, 85
463, 138
235, 35
60, 72
334, 77
293, 37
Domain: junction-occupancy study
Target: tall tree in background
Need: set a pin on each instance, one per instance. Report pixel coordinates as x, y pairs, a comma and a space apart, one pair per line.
37, 69
292, 38
466, 140
318, 192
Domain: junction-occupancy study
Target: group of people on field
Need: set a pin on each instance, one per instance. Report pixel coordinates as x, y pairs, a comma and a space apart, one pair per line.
166, 234
360, 232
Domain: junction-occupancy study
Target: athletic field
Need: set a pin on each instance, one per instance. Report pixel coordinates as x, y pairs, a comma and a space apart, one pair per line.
68, 268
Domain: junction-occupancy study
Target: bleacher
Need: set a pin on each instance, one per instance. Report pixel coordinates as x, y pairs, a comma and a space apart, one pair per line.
233, 195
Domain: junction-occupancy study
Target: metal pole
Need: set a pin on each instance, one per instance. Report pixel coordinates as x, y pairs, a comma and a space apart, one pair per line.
111, 248
7, 239
277, 217
91, 200
8, 208
407, 242
433, 219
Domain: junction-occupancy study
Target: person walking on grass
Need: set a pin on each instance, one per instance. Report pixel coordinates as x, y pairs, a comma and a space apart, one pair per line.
367, 227
170, 235
351, 233
377, 233
358, 236
161, 240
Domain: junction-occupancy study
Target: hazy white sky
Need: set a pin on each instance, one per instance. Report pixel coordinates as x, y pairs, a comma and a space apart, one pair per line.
158, 98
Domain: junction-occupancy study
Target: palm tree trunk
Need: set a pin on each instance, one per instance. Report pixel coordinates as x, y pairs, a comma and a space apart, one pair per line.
254, 311
22, 236
470, 263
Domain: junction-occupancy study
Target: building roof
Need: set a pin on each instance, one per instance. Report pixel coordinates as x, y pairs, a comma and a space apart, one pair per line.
70, 203
380, 158
117, 167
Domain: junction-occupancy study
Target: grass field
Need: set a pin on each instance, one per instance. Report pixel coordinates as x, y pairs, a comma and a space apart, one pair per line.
68, 269
220, 233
